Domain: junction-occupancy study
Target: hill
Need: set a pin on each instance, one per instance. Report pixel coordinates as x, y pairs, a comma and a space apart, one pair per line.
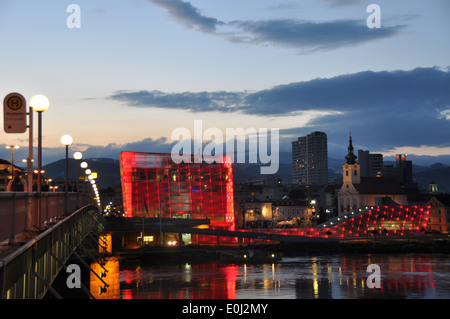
440, 175
108, 170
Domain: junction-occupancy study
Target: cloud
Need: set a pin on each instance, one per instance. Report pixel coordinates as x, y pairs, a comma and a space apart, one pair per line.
362, 92
387, 108
113, 150
306, 36
187, 14
193, 101
338, 3
310, 36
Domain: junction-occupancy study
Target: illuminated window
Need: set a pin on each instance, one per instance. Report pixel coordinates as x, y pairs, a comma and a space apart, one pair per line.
148, 239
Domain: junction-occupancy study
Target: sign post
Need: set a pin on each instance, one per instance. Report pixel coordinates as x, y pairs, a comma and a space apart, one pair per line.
15, 122
14, 113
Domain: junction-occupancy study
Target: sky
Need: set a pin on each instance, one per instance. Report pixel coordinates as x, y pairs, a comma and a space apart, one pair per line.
132, 71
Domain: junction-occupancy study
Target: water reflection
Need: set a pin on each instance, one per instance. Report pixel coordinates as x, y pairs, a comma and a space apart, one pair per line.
337, 277
105, 279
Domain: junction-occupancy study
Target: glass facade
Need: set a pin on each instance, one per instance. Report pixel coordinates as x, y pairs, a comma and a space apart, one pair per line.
153, 185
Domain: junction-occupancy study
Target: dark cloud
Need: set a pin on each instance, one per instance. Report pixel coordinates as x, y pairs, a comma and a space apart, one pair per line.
368, 91
306, 36
113, 150
311, 36
357, 92
187, 14
388, 108
193, 101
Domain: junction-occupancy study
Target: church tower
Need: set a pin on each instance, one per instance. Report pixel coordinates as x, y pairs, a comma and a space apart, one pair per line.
351, 169
348, 195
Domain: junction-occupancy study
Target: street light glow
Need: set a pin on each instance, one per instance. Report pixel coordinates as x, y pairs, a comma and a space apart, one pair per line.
77, 156
66, 140
39, 103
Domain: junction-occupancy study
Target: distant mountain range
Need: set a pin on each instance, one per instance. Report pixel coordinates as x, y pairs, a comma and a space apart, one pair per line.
108, 171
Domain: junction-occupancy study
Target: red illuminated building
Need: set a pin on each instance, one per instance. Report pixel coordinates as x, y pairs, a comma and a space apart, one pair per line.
153, 185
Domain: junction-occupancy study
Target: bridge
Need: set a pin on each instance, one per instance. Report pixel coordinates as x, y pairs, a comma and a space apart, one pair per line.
38, 235
189, 226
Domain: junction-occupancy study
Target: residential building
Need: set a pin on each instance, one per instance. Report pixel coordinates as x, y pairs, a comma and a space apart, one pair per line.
310, 159
370, 164
439, 217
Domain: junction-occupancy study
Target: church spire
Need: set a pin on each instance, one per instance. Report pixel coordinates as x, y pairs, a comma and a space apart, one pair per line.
351, 158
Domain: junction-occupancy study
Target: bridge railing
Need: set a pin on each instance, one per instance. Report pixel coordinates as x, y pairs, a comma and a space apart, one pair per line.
28, 272
20, 213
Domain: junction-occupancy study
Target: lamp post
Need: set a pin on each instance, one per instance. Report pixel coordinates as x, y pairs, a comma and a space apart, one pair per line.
77, 156
40, 104
67, 140
84, 165
12, 148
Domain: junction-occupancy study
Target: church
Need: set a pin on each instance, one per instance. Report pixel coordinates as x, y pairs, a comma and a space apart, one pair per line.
361, 191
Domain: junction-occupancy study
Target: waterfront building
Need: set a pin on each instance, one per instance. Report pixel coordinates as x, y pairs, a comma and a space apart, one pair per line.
294, 212
153, 185
285, 212
310, 159
439, 218
257, 214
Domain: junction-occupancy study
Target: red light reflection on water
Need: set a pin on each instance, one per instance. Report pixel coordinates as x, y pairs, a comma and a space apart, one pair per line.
342, 277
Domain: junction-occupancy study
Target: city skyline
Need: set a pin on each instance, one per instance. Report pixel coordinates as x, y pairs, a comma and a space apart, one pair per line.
136, 70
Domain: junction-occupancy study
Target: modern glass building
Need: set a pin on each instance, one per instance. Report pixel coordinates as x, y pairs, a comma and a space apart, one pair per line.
153, 185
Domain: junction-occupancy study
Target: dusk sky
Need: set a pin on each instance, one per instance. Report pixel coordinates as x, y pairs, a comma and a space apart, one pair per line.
136, 70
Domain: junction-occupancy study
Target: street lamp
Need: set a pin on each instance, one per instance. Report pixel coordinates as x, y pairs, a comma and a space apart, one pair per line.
84, 165
12, 148
77, 156
67, 140
40, 104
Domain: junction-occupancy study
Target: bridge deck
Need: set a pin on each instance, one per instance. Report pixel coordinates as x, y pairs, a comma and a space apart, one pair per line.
169, 225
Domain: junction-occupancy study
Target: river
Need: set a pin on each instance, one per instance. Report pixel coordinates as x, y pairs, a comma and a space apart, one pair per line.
405, 276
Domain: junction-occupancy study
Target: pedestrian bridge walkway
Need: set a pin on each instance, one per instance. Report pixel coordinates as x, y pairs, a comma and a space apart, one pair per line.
29, 270
38, 234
